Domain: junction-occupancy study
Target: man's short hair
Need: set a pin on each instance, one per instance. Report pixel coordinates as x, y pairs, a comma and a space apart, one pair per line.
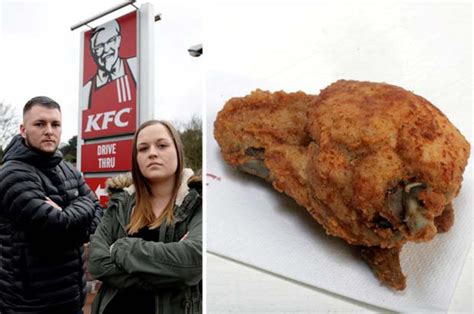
42, 101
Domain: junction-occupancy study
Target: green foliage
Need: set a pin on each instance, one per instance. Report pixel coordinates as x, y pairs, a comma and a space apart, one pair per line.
69, 150
191, 136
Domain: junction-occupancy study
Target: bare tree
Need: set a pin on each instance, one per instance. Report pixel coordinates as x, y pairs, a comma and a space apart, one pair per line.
8, 123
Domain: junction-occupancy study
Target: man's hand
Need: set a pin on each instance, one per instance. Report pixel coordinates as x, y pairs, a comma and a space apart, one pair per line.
50, 202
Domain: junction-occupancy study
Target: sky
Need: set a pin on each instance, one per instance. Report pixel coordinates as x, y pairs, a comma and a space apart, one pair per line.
39, 55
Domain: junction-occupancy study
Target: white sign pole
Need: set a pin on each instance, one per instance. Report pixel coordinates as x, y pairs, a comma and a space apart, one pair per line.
80, 106
146, 95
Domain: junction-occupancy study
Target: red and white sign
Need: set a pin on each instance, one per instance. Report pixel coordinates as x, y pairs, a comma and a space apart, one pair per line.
97, 123
107, 156
98, 185
113, 99
110, 74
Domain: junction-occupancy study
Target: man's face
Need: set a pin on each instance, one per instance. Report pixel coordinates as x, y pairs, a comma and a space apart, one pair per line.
41, 128
105, 48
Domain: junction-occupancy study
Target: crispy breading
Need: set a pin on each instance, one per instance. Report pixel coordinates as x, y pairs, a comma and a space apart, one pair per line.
386, 265
264, 131
384, 160
446, 220
261, 119
374, 164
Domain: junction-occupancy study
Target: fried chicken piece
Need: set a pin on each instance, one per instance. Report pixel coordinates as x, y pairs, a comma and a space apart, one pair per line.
386, 265
247, 125
445, 221
372, 163
264, 134
384, 161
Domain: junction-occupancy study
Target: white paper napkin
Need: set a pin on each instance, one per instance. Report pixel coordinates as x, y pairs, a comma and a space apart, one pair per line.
249, 222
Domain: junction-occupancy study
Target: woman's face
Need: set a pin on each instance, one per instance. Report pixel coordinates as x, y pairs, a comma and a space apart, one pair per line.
156, 153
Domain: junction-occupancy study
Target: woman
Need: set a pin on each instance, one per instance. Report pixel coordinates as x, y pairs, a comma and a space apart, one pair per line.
147, 249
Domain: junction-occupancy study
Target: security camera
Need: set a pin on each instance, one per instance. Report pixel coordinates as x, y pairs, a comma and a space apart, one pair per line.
195, 50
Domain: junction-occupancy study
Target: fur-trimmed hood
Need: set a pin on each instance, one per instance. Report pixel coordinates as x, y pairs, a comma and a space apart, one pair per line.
124, 182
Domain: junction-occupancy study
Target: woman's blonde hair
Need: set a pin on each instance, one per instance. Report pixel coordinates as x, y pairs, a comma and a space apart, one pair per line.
143, 215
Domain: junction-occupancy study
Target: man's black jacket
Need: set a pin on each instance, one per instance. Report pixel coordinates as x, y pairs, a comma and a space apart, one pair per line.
41, 247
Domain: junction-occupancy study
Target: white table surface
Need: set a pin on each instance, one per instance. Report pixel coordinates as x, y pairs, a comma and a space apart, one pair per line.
233, 287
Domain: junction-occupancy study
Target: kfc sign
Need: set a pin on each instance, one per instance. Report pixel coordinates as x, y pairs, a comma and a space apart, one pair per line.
113, 99
107, 156
110, 68
101, 124
93, 123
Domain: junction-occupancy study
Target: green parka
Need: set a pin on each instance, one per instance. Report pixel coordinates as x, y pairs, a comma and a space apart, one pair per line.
170, 267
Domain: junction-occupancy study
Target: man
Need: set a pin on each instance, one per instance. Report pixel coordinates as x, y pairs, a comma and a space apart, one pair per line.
47, 213
115, 77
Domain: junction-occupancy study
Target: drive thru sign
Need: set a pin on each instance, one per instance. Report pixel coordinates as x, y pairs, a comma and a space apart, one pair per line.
109, 156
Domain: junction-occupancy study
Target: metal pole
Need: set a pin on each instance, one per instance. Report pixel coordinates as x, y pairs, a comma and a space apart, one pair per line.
95, 17
146, 93
81, 106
